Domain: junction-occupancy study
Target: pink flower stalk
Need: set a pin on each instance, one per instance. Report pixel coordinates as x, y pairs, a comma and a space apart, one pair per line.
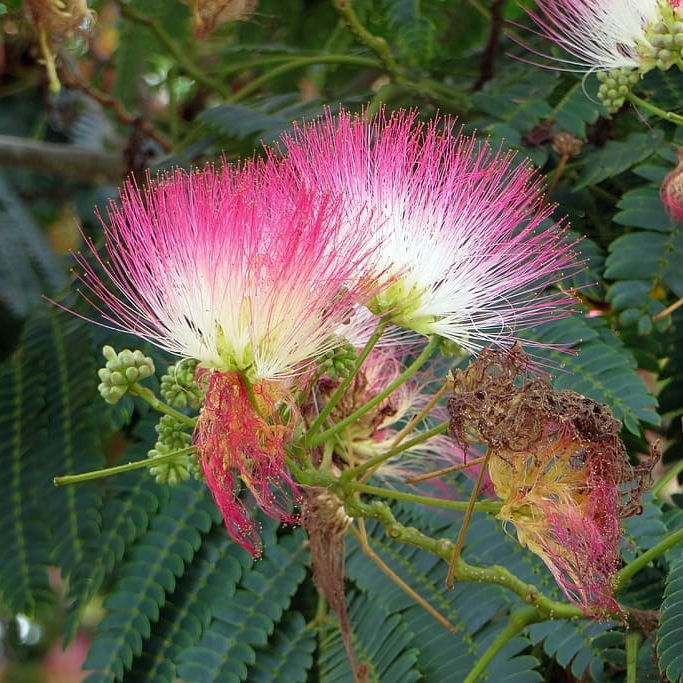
235, 267
457, 230
241, 443
607, 35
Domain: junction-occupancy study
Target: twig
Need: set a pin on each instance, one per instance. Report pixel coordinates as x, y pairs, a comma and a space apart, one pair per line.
375, 43
74, 80
69, 161
184, 63
362, 537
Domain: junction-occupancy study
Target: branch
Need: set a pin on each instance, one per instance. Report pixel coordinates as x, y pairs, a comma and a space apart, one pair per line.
102, 168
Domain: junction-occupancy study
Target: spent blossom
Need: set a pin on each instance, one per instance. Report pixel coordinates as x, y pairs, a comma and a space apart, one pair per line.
457, 230
557, 463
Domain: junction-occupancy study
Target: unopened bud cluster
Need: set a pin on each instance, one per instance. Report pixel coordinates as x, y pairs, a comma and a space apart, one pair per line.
178, 386
340, 362
615, 85
122, 370
172, 437
664, 39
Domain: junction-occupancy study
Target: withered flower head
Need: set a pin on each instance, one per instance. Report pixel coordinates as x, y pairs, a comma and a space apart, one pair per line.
209, 14
558, 464
55, 21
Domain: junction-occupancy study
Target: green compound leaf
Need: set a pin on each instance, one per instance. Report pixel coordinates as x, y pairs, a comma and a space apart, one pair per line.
242, 623
48, 396
670, 632
574, 110
28, 266
603, 368
287, 657
148, 575
616, 157
73, 445
24, 533
215, 570
414, 34
381, 642
132, 499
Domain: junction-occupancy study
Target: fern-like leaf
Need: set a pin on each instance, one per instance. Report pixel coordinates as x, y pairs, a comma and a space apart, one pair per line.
603, 369
125, 516
670, 632
215, 570
24, 534
287, 657
245, 620
148, 575
73, 445
413, 33
382, 645
28, 266
616, 157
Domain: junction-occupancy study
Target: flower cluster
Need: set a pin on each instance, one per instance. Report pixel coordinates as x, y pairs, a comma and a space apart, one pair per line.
263, 273
557, 463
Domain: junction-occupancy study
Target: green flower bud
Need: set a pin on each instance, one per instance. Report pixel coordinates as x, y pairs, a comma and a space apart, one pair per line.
121, 371
178, 386
339, 362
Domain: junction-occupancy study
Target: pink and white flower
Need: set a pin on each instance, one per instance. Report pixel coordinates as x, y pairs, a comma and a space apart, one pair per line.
249, 274
376, 433
457, 231
609, 35
235, 267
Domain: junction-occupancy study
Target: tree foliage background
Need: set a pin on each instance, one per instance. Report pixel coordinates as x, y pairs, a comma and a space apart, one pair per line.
143, 575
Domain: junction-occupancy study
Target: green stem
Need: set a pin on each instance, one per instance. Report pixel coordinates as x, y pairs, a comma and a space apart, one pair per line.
298, 63
311, 439
120, 469
179, 54
519, 620
672, 472
653, 109
376, 400
483, 506
643, 560
375, 43
443, 548
632, 643
148, 395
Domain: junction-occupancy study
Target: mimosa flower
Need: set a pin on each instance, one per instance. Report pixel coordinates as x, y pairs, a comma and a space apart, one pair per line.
613, 35
234, 267
558, 464
458, 231
248, 274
